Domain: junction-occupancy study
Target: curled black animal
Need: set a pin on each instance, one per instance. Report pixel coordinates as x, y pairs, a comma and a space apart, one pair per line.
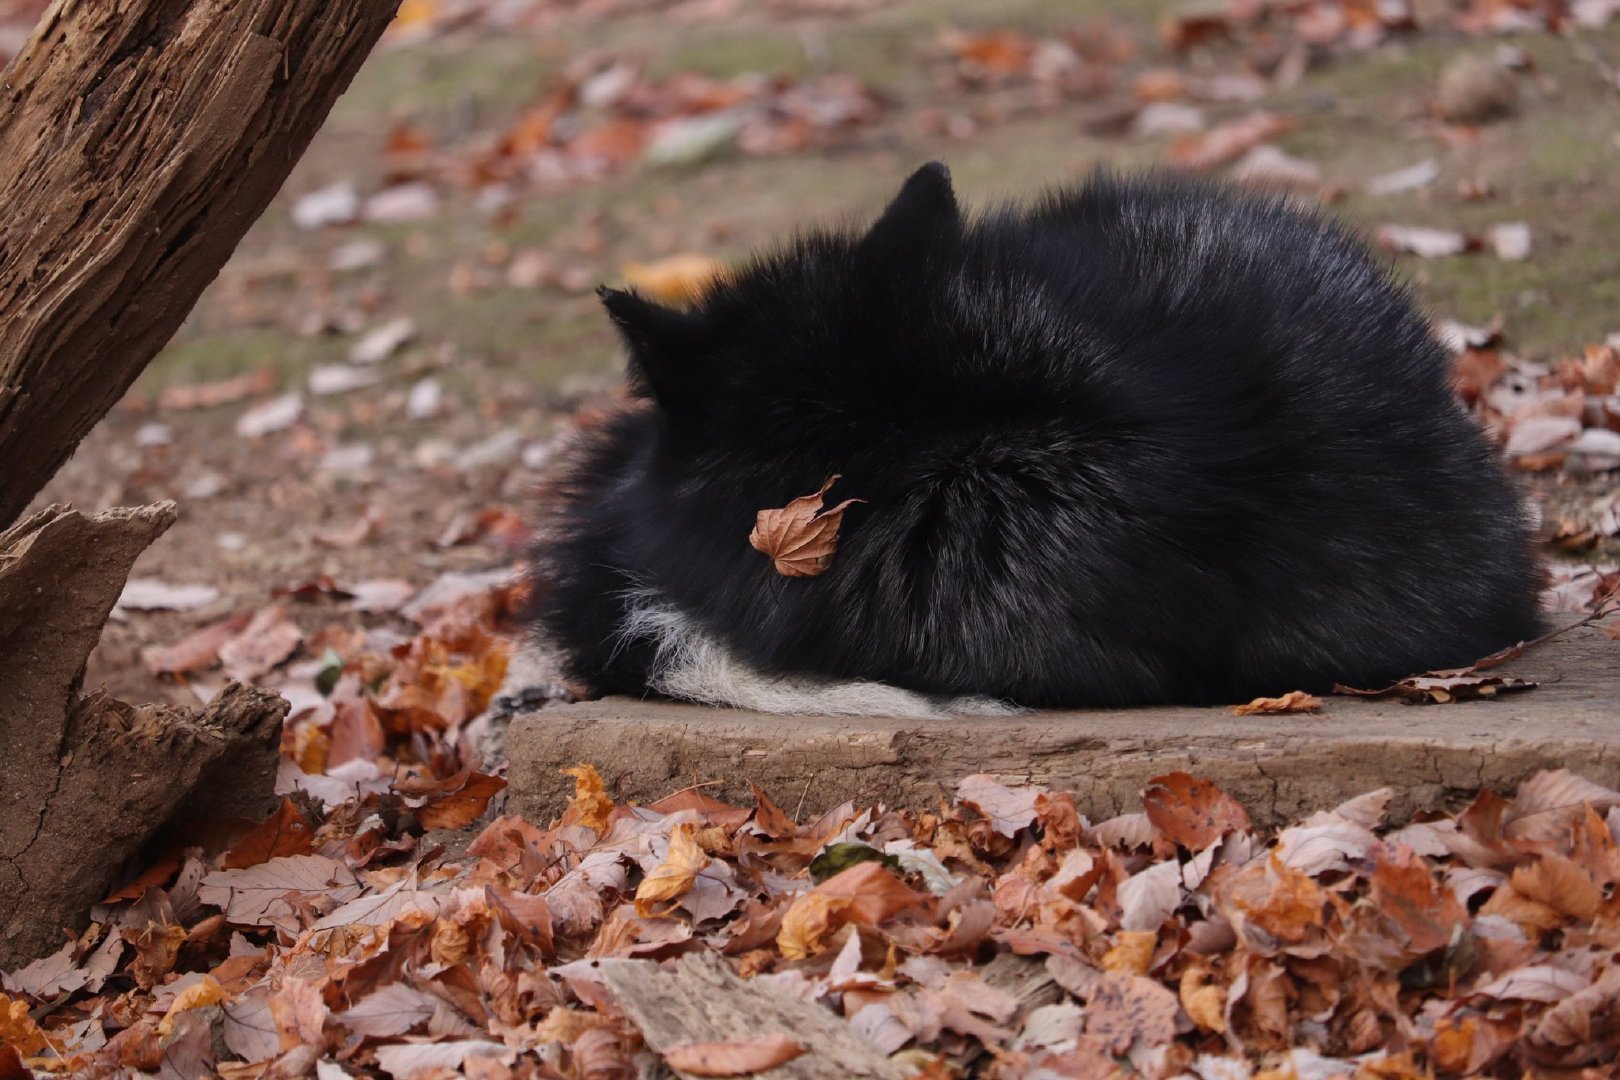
1146, 440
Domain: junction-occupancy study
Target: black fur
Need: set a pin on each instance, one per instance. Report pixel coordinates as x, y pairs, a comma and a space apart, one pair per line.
1146, 441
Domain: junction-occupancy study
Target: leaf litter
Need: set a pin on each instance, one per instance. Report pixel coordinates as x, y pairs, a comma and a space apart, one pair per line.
345, 931
1179, 942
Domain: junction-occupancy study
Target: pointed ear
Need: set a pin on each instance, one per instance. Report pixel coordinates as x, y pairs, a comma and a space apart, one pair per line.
665, 345
924, 212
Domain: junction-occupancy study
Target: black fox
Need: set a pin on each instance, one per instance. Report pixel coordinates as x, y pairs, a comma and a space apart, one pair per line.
1146, 441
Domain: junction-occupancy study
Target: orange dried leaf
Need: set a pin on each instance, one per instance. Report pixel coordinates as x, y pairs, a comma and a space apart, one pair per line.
1292, 702
674, 876
462, 806
740, 1058
866, 894
18, 1029
590, 805
158, 874
809, 921
1280, 899
286, 832
1466, 1044
1132, 953
1561, 885
1204, 1003
1191, 812
771, 819
299, 1012
800, 537
195, 996
1407, 893
676, 279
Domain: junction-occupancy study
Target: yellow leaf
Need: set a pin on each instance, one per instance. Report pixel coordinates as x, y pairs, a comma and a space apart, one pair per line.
196, 996
18, 1029
1132, 953
678, 279
674, 876
1204, 1003
865, 894
590, 805
808, 922
415, 13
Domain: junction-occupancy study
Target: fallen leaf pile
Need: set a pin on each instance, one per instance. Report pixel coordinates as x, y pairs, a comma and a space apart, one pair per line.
1544, 415
1003, 934
606, 115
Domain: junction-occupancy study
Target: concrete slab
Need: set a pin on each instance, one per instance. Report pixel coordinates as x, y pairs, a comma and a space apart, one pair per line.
1281, 767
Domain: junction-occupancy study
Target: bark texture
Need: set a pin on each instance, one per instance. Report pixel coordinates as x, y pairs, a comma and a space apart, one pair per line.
85, 781
698, 999
139, 141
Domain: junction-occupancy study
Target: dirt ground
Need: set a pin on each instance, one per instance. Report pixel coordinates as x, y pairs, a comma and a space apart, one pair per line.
382, 483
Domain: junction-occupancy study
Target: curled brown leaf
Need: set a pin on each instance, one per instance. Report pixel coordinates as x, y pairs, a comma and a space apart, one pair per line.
801, 537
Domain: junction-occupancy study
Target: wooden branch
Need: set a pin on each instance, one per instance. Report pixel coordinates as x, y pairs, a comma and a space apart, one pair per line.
138, 141
698, 999
85, 781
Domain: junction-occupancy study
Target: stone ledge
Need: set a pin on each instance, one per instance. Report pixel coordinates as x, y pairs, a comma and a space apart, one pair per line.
1281, 767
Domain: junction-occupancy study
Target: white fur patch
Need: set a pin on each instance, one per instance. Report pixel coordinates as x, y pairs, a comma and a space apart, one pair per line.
691, 665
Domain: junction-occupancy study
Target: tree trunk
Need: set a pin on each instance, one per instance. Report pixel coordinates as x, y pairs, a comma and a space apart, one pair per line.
138, 141
85, 781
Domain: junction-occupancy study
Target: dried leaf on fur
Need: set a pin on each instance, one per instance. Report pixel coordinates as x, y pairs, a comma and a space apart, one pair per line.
801, 537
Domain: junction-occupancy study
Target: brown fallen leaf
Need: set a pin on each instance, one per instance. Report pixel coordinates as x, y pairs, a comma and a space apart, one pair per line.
1443, 689
198, 650
1009, 809
1407, 893
286, 832
1229, 141
590, 805
801, 537
462, 806
268, 639
676, 279
740, 1058
866, 894
1294, 701
1124, 1008
196, 996
207, 395
156, 875
675, 875
1191, 812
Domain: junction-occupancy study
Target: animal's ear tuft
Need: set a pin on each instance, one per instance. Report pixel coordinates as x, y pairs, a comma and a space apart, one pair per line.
925, 211
666, 346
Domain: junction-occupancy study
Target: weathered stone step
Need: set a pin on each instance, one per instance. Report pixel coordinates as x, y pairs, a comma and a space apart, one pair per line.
1281, 767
